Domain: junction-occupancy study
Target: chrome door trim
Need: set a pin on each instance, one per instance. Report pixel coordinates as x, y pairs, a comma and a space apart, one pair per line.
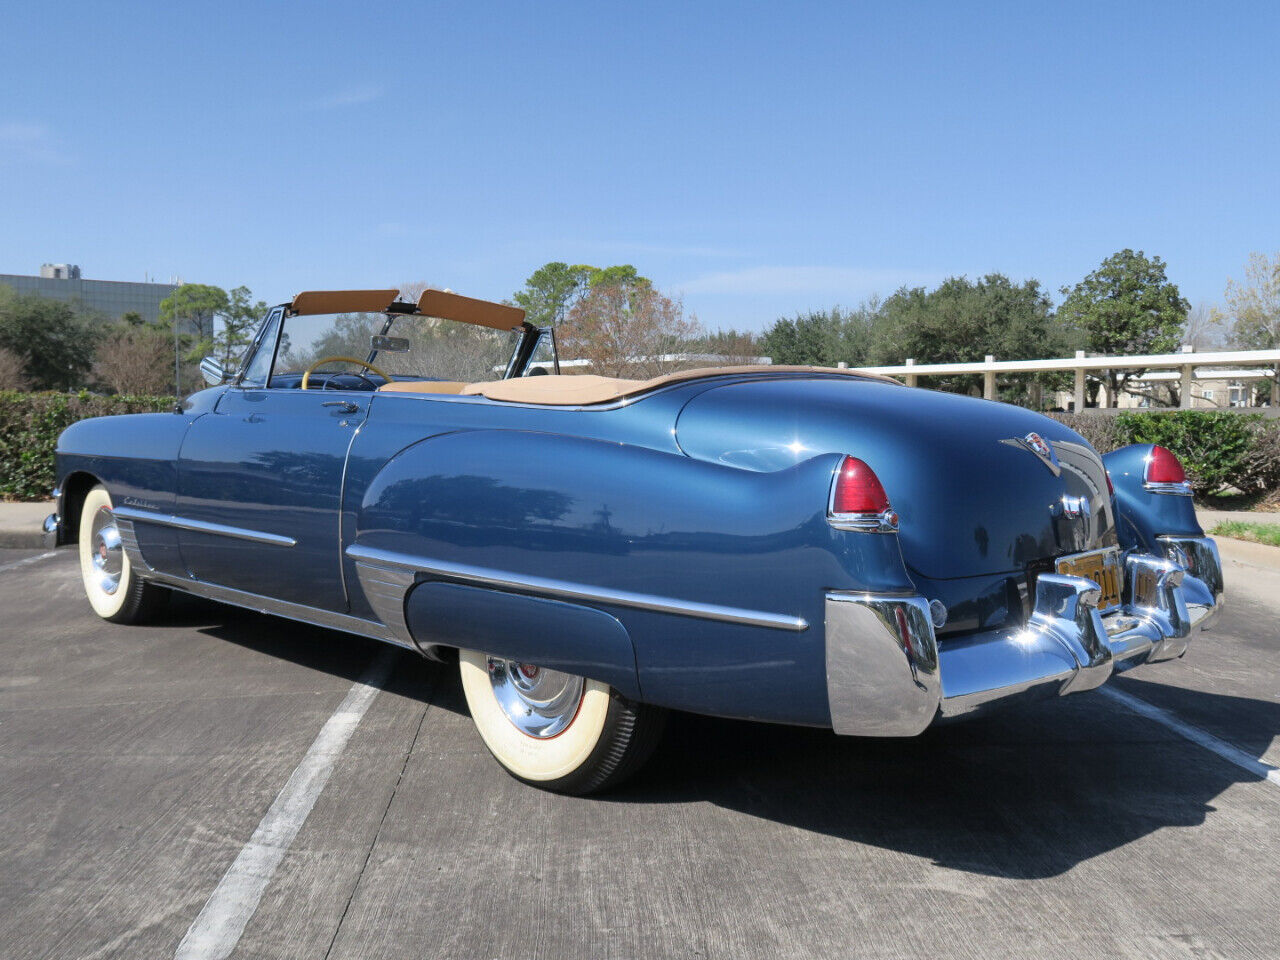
374, 558
200, 526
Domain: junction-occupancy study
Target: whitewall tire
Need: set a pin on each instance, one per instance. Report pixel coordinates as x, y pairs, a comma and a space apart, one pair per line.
555, 730
113, 591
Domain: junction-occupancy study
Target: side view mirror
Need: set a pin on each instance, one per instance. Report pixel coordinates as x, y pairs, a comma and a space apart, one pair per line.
212, 370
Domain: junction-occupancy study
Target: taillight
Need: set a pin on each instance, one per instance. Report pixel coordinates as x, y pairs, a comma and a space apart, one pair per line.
1111, 487
858, 500
1164, 473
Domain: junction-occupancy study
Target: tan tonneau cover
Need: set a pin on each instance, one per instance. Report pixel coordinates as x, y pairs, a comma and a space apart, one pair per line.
584, 389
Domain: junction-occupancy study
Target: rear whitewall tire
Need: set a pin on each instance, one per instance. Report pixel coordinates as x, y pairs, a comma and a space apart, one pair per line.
109, 582
607, 739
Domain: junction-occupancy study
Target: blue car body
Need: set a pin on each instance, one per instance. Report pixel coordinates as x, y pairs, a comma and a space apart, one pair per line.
675, 543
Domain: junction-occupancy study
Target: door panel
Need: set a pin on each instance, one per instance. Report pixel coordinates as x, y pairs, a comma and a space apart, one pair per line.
268, 464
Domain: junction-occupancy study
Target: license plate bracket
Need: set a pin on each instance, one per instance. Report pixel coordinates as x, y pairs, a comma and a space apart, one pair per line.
1100, 566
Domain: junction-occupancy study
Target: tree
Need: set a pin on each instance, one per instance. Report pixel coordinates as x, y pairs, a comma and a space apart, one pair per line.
1127, 306
823, 338
54, 341
627, 328
729, 347
1255, 307
240, 318
196, 304
963, 321
135, 359
553, 289
12, 374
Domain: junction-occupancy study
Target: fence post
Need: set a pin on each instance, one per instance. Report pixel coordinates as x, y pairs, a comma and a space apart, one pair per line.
1187, 372
989, 381
911, 377
1079, 383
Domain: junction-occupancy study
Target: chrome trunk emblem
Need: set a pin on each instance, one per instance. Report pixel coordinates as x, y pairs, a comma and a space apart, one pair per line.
1041, 447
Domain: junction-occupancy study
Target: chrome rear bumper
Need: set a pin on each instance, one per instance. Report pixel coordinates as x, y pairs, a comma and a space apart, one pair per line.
888, 676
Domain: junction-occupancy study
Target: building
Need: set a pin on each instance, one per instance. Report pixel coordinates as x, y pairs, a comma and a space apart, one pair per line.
112, 299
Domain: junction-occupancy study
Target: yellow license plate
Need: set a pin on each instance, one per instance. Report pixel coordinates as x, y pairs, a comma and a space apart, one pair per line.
1102, 567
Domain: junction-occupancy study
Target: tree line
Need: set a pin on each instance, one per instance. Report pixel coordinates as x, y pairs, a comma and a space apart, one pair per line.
620, 324
50, 344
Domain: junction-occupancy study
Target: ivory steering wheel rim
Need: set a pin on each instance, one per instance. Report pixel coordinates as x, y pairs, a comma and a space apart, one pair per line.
306, 374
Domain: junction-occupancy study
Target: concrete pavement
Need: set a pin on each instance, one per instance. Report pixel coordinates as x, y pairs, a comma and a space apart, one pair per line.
20, 524
137, 762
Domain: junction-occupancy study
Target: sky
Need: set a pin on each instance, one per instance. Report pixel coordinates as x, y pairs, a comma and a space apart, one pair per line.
755, 159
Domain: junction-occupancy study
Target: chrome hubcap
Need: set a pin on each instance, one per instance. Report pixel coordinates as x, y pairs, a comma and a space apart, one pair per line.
539, 702
108, 557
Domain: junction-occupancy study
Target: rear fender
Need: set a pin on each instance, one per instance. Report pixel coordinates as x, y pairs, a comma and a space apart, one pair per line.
1144, 515
655, 553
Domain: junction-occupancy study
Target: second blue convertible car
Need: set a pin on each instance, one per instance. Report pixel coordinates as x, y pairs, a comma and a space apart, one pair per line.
787, 544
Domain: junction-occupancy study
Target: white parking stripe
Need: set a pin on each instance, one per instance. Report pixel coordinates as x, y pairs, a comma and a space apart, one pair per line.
26, 560
218, 928
1228, 752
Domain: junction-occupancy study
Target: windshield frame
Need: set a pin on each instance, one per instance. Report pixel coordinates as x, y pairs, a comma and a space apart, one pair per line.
525, 346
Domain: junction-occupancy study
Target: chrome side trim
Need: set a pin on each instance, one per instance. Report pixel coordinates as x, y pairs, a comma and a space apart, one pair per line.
281, 608
199, 526
882, 665
385, 586
129, 543
559, 588
1180, 489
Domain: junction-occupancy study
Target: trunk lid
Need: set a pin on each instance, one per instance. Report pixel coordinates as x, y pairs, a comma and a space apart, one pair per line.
974, 496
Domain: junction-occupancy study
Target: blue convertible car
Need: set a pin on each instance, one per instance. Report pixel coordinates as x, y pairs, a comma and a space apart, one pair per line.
788, 544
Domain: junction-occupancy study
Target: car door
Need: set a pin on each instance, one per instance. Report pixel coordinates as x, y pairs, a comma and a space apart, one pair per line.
259, 488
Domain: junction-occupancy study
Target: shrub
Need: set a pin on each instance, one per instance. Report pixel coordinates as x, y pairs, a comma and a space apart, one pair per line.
1219, 449
1213, 445
1098, 428
29, 428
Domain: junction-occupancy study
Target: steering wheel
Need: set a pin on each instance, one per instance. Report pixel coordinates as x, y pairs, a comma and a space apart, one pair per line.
306, 375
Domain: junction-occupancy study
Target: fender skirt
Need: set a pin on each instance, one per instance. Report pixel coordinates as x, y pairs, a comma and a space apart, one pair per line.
551, 633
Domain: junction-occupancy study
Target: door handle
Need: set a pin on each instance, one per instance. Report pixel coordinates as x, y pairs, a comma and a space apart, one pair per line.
346, 405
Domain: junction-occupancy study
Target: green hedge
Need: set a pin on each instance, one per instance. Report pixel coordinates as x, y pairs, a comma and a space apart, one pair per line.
1219, 450
29, 428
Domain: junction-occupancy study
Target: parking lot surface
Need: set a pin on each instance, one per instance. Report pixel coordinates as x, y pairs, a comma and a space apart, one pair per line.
192, 788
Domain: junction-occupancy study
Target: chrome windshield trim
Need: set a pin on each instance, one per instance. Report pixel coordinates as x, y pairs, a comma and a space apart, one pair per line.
574, 591
199, 526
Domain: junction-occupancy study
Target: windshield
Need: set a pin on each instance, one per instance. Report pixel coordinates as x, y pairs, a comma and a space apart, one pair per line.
404, 347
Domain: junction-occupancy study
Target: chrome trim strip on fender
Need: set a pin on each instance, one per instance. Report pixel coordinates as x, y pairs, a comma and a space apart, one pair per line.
199, 526
559, 588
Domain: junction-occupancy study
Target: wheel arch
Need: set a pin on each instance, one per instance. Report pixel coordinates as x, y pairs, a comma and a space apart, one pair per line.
75, 487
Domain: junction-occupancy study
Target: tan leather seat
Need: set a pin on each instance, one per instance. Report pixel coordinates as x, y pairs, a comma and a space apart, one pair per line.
422, 386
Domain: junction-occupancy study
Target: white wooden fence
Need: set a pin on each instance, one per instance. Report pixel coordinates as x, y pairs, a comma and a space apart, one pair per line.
1225, 365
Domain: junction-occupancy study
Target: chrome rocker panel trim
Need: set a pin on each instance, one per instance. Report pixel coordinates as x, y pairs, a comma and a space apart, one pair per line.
251, 601
386, 570
888, 676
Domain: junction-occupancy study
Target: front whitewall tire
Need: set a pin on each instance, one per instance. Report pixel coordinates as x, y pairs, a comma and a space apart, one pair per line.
114, 592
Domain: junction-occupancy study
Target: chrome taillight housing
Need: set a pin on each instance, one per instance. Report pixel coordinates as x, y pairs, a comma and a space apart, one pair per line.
1164, 473
858, 500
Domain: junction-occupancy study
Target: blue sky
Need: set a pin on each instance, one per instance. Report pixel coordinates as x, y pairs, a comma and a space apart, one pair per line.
758, 159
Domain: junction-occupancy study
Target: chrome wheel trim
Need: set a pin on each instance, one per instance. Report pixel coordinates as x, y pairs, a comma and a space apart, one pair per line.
540, 703
108, 554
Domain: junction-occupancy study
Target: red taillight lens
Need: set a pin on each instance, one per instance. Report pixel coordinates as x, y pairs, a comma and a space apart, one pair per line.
1111, 487
1163, 467
858, 489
